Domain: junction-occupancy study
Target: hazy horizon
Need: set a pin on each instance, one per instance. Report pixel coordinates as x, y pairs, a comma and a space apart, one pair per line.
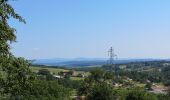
86, 28
91, 58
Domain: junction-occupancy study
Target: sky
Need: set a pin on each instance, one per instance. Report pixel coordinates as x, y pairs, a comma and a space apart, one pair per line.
88, 28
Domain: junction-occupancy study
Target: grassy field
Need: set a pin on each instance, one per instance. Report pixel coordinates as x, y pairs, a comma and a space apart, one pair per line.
140, 84
76, 78
57, 70
52, 70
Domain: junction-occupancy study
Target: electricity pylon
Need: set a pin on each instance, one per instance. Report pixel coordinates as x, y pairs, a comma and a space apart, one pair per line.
112, 56
111, 61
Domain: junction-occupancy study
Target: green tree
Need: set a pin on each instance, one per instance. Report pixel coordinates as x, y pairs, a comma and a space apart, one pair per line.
168, 91
96, 85
16, 77
140, 95
44, 72
101, 92
48, 90
15, 74
99, 75
148, 86
7, 33
17, 82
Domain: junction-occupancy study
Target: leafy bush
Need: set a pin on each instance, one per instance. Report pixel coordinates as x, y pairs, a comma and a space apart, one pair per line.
101, 92
48, 90
141, 95
68, 83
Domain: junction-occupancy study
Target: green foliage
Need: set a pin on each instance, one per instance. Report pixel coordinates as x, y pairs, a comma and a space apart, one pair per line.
68, 83
154, 71
7, 32
96, 86
48, 90
166, 75
141, 95
163, 97
148, 86
120, 94
17, 82
43, 72
99, 76
44, 90
15, 74
16, 77
101, 92
169, 91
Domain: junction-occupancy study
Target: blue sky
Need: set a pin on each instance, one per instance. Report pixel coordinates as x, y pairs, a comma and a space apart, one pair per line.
87, 28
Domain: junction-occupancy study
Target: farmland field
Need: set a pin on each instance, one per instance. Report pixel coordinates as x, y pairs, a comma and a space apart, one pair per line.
52, 70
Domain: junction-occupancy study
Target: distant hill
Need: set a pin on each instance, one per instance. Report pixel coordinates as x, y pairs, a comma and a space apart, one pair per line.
82, 62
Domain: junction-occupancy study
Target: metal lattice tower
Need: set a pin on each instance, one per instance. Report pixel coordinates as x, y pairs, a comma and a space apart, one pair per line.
112, 56
111, 61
